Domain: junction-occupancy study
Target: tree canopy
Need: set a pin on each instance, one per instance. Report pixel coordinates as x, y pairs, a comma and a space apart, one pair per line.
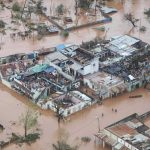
29, 120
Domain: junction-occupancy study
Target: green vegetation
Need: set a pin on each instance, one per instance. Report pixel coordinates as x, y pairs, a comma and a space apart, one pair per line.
2, 24
1, 128
39, 7
85, 139
65, 33
16, 7
129, 17
84, 4
60, 9
29, 120
142, 29
62, 145
147, 12
30, 138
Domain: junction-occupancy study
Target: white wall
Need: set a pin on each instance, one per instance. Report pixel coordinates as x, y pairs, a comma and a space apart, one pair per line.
100, 89
72, 109
91, 68
8, 84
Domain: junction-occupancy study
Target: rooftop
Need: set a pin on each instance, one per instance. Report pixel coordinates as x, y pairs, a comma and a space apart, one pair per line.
103, 79
123, 45
41, 77
72, 98
133, 131
82, 56
15, 68
131, 66
56, 57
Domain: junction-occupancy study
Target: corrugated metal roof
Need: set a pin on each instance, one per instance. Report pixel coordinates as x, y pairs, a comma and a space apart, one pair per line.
124, 41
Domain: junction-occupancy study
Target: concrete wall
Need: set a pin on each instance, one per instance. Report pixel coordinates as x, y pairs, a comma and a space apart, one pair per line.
8, 84
119, 140
131, 86
69, 110
91, 68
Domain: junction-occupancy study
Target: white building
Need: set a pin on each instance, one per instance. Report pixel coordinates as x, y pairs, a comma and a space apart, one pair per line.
105, 85
82, 63
123, 45
69, 103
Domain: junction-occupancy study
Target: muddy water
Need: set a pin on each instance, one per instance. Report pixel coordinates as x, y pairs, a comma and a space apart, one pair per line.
117, 27
83, 123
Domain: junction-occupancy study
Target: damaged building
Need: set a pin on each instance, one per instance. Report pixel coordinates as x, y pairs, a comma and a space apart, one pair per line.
129, 133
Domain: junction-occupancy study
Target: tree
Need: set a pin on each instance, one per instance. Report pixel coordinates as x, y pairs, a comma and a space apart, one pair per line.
2, 24
147, 12
129, 17
29, 120
60, 9
16, 7
76, 7
65, 33
39, 7
62, 145
84, 4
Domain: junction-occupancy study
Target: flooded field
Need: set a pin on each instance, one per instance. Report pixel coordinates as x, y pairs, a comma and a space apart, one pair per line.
83, 123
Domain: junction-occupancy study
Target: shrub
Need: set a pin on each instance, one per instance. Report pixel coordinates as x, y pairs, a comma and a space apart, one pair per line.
65, 33
60, 9
2, 24
142, 29
16, 7
147, 12
85, 139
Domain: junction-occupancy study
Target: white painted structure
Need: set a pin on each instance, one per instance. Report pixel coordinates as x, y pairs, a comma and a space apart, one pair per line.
90, 68
80, 101
104, 84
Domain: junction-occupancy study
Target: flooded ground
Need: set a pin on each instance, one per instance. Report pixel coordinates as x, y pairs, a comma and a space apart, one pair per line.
83, 123
117, 27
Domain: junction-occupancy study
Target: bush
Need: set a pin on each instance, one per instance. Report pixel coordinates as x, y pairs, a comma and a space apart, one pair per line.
65, 33
30, 138
16, 7
2, 24
85, 139
60, 9
84, 4
1, 127
147, 12
142, 29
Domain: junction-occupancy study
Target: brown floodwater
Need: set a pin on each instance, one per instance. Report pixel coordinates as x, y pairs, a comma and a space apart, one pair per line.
117, 27
83, 123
